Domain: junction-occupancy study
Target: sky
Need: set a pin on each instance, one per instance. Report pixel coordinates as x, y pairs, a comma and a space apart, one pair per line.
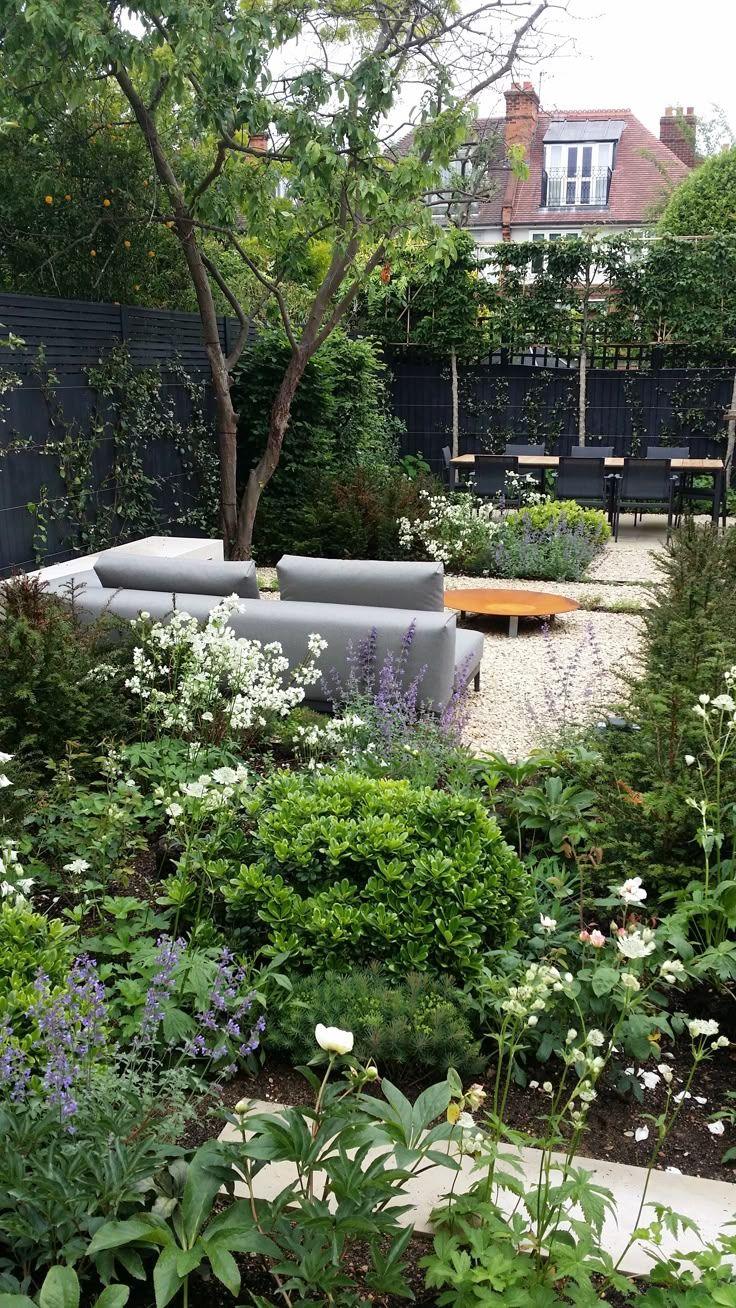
643, 55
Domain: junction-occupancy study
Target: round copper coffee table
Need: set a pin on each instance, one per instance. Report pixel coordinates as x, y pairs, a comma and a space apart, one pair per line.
513, 604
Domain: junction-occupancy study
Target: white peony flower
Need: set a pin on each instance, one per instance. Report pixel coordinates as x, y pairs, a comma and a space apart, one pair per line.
632, 891
333, 1040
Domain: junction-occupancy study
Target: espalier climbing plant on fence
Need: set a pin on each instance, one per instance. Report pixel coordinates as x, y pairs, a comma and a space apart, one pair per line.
132, 410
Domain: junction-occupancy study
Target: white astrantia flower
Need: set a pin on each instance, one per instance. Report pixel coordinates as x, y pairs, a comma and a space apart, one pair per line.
547, 1087
632, 891
700, 1026
595, 1038
641, 1133
77, 866
532, 1021
571, 1035
547, 923
716, 1128
630, 982
636, 944
333, 1040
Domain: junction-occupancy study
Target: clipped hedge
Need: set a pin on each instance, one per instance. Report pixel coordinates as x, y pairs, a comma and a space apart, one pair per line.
346, 870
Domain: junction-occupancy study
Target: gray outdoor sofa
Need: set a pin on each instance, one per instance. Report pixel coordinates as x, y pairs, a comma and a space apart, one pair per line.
344, 602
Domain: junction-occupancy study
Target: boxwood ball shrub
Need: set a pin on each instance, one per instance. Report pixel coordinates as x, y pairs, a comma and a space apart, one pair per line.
417, 1022
345, 870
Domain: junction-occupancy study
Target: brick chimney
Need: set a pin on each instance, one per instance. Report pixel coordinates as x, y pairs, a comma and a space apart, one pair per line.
259, 141
677, 132
522, 110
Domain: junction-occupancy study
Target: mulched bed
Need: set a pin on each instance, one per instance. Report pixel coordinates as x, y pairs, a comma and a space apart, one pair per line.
612, 1120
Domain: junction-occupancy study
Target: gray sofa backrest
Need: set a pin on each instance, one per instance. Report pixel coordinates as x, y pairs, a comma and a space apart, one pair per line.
432, 649
120, 567
412, 586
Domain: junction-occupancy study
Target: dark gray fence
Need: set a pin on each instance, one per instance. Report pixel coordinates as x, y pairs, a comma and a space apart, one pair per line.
53, 396
631, 409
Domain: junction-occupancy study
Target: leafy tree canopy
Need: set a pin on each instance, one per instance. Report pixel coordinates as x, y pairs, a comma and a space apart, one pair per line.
704, 202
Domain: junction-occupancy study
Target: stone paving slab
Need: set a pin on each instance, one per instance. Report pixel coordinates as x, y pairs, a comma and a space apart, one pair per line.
710, 1203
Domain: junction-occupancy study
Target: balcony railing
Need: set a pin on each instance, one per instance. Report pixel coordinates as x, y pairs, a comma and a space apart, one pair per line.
562, 190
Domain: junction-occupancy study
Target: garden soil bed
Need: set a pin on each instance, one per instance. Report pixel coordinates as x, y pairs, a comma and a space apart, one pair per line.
613, 1118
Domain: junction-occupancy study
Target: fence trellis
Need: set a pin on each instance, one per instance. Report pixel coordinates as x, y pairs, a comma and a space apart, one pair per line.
500, 401
72, 336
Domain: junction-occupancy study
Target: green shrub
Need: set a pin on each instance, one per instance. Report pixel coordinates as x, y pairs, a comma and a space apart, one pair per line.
416, 1023
49, 691
643, 781
339, 423
591, 523
345, 870
29, 942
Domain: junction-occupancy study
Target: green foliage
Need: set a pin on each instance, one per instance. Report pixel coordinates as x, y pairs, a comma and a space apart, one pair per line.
356, 516
346, 870
50, 693
706, 200
339, 431
591, 523
420, 300
57, 1187
417, 1024
60, 1289
29, 941
305, 1231
643, 781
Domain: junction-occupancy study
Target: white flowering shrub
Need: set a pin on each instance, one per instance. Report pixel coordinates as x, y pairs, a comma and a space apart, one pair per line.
208, 683
456, 530
13, 885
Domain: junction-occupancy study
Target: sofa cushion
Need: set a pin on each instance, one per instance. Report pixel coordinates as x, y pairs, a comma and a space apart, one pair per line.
412, 586
468, 653
146, 572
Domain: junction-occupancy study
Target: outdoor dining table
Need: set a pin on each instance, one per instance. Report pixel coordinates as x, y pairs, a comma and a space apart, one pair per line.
698, 467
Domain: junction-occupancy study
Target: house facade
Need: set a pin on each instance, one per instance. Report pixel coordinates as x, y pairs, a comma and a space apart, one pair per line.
587, 169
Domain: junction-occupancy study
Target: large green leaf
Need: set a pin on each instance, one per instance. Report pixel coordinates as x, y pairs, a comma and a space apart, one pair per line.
207, 1173
113, 1296
166, 1279
146, 1229
60, 1289
223, 1265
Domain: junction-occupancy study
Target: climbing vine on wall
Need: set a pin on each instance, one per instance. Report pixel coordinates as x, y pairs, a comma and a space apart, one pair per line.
106, 461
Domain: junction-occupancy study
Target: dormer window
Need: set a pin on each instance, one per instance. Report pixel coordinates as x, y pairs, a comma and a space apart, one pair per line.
579, 158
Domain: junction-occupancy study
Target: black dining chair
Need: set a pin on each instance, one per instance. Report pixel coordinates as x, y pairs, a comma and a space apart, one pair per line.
533, 452
644, 483
490, 478
668, 452
591, 452
585, 481
454, 482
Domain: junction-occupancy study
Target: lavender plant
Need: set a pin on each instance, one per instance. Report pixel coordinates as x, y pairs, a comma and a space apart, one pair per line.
557, 551
569, 686
383, 727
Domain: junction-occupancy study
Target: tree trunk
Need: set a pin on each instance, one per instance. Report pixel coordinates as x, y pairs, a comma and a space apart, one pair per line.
260, 476
226, 421
731, 430
582, 393
455, 404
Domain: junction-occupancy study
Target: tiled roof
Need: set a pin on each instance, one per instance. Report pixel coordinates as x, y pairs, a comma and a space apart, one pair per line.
636, 182
488, 213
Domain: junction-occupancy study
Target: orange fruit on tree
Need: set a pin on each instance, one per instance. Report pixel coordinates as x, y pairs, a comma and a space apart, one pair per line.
49, 199
106, 204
